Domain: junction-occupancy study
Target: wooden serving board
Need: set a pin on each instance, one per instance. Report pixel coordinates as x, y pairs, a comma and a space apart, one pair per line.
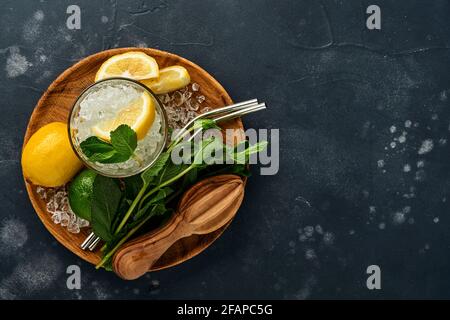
55, 105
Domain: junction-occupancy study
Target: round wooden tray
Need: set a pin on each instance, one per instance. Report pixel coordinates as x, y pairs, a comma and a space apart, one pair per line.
55, 105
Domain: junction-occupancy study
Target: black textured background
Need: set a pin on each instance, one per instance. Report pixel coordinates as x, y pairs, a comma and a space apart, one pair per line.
334, 89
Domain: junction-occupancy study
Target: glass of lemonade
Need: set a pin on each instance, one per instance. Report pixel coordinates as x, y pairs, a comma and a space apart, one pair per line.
103, 102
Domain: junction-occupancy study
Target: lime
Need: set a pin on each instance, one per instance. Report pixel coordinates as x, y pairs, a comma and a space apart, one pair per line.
80, 193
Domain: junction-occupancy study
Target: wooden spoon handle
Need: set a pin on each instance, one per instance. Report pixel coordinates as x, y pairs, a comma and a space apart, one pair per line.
135, 260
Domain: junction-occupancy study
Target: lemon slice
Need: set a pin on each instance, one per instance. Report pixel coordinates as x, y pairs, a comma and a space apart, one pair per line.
139, 115
170, 79
133, 65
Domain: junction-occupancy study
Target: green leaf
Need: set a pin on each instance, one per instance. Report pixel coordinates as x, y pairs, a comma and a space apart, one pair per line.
105, 202
160, 196
122, 146
133, 185
124, 140
94, 145
149, 174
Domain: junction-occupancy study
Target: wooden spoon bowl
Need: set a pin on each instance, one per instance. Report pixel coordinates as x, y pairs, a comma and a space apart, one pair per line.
55, 105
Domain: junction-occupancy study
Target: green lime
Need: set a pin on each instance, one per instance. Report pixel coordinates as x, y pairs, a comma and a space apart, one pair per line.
80, 193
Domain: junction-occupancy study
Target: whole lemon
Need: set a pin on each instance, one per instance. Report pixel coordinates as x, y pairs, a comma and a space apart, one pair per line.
48, 159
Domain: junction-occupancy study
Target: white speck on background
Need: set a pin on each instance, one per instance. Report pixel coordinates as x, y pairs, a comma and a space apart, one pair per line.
16, 64
306, 290
402, 139
420, 175
328, 238
442, 142
104, 19
37, 274
408, 124
434, 117
310, 254
398, 218
427, 146
382, 226
380, 163
32, 27
436, 220
420, 164
13, 236
319, 229
309, 230
393, 129
393, 145
372, 209
406, 168
351, 232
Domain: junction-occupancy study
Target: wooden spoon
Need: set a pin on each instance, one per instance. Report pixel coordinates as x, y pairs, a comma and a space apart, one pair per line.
204, 208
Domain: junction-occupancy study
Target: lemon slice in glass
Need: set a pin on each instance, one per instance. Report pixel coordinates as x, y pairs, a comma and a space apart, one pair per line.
139, 115
132, 65
170, 79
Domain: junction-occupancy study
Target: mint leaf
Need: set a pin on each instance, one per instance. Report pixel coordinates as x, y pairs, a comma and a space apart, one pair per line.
122, 146
106, 197
94, 145
124, 140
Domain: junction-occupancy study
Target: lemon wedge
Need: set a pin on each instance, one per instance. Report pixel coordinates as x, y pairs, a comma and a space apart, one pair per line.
170, 79
139, 115
133, 65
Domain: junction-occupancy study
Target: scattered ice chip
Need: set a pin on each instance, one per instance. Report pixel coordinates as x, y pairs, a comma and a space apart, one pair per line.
406, 168
393, 129
408, 124
104, 19
351, 232
436, 220
380, 163
195, 86
393, 145
402, 139
309, 231
382, 226
427, 146
57, 203
434, 116
442, 142
372, 209
201, 98
420, 164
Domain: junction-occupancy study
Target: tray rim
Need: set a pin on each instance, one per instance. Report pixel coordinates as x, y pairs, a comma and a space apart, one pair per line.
55, 83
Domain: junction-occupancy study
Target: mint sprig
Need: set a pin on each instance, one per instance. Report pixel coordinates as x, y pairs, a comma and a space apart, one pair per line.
122, 146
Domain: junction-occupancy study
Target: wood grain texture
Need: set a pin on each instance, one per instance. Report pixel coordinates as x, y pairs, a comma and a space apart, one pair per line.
55, 105
204, 208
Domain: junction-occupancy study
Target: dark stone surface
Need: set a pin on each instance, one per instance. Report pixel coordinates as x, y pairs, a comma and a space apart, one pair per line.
333, 88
